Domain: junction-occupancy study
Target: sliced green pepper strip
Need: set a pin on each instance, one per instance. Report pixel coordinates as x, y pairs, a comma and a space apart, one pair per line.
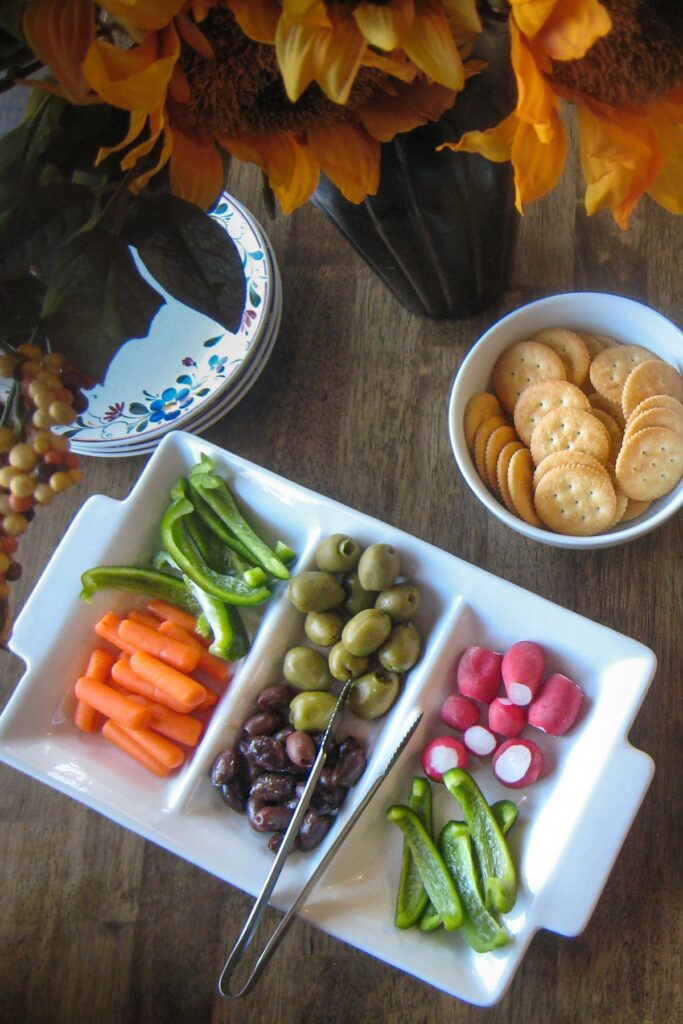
218, 496
218, 555
479, 927
429, 862
495, 860
214, 523
135, 580
412, 896
177, 542
218, 617
203, 627
241, 642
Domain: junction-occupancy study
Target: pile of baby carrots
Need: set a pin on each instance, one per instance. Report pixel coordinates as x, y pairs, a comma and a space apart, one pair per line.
143, 698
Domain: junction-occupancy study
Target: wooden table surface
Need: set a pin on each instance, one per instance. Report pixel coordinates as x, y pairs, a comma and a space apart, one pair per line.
99, 925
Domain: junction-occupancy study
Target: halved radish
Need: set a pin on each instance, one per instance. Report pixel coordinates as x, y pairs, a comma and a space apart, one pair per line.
478, 674
517, 763
522, 671
441, 754
459, 712
506, 718
556, 705
479, 740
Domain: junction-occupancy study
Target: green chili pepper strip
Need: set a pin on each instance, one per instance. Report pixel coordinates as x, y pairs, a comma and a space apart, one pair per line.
429, 862
177, 542
479, 927
495, 861
412, 896
134, 580
218, 496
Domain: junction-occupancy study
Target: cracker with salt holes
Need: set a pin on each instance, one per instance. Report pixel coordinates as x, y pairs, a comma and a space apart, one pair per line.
538, 399
502, 472
495, 444
658, 401
522, 364
653, 377
478, 409
576, 500
571, 349
520, 473
571, 429
564, 458
615, 432
594, 342
610, 368
622, 499
634, 509
484, 431
656, 416
613, 409
650, 463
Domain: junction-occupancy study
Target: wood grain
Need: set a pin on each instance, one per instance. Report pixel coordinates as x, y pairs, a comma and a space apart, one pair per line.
98, 925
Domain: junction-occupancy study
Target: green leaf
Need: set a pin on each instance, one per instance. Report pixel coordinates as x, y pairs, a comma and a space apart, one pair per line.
35, 220
22, 150
192, 257
11, 13
20, 303
96, 300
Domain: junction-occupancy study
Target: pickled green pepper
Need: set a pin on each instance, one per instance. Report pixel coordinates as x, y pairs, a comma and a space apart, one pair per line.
479, 927
412, 896
429, 862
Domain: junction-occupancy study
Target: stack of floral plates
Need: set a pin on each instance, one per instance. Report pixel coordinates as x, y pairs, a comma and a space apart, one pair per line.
188, 372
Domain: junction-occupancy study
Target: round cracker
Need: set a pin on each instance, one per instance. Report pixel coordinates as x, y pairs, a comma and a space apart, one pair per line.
502, 472
615, 432
594, 342
522, 364
538, 399
478, 409
658, 401
564, 458
650, 463
656, 416
610, 368
634, 509
622, 499
495, 444
653, 377
571, 349
576, 500
571, 429
520, 473
484, 431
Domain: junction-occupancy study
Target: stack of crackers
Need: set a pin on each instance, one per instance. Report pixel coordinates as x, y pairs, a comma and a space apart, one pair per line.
579, 432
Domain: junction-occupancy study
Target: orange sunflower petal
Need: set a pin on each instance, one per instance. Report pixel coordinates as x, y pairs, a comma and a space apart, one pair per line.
385, 26
573, 27
538, 165
291, 168
59, 32
464, 15
531, 15
258, 20
430, 45
196, 170
306, 12
156, 125
667, 188
134, 79
495, 143
403, 108
348, 156
297, 48
338, 65
536, 101
393, 66
146, 14
138, 119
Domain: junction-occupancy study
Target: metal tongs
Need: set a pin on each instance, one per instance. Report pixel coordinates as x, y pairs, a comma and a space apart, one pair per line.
254, 918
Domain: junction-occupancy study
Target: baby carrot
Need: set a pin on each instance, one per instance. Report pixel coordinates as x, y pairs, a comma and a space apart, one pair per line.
215, 668
183, 728
112, 704
124, 675
86, 718
182, 688
144, 619
100, 662
166, 649
162, 610
208, 701
108, 629
157, 746
121, 739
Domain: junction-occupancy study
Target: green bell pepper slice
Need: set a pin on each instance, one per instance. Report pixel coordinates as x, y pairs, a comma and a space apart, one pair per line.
135, 580
412, 896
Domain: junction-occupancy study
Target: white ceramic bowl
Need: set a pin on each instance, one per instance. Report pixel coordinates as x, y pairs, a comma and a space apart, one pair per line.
629, 322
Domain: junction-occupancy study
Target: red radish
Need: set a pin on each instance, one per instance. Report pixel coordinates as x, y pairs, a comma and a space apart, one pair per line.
556, 705
522, 670
479, 674
517, 763
459, 712
479, 740
441, 754
506, 718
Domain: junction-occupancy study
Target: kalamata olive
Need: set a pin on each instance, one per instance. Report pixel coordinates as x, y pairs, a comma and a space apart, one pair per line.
273, 788
337, 553
313, 830
400, 602
275, 841
343, 665
235, 794
313, 591
283, 733
266, 752
402, 649
300, 749
328, 799
265, 723
312, 711
324, 628
378, 567
306, 669
225, 767
267, 817
351, 763
357, 598
374, 693
365, 632
249, 767
275, 698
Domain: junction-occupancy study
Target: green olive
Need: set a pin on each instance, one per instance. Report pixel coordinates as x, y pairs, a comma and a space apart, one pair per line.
378, 567
357, 599
315, 591
400, 601
344, 665
307, 669
373, 694
312, 711
337, 553
402, 649
324, 628
366, 631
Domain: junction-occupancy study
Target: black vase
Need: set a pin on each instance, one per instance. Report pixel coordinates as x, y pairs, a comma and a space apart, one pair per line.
441, 230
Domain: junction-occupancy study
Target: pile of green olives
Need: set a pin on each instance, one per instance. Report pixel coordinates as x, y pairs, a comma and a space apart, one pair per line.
359, 610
